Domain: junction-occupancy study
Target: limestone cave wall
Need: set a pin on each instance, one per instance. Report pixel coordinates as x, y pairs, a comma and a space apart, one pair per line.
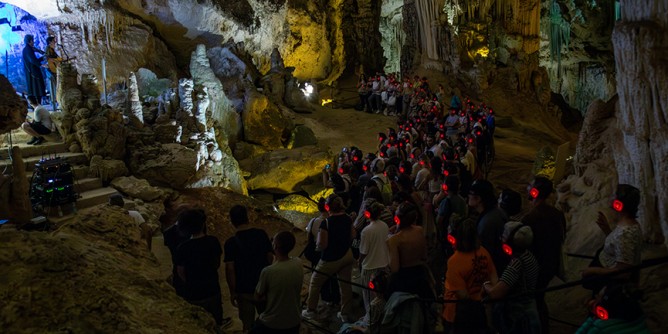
641, 154
576, 49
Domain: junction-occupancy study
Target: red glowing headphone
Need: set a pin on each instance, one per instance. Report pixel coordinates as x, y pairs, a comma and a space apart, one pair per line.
601, 312
333, 202
507, 248
534, 192
618, 205
452, 240
444, 187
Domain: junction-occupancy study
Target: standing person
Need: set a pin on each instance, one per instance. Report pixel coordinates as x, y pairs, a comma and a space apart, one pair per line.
280, 286
490, 220
197, 263
374, 254
453, 203
330, 289
53, 61
363, 91
408, 255
33, 69
41, 124
549, 230
518, 314
173, 237
334, 239
468, 268
623, 245
246, 254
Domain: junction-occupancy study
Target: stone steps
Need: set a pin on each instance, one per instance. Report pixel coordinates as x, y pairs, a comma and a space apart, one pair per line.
91, 191
87, 199
44, 149
31, 161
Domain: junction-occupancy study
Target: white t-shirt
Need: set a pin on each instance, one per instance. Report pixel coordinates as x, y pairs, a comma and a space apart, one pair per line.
136, 216
43, 116
373, 243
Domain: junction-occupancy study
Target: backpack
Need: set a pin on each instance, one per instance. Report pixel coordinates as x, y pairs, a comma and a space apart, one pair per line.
385, 189
310, 252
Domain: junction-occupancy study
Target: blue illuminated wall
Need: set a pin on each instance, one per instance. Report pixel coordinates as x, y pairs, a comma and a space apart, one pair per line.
11, 42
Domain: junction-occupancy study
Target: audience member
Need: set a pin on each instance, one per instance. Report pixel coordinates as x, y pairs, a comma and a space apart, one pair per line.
374, 254
334, 240
246, 254
623, 245
518, 314
490, 220
197, 263
280, 287
329, 293
468, 268
549, 231
408, 255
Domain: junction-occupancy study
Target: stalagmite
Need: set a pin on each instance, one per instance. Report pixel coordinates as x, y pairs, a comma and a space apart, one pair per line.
134, 111
203, 103
186, 97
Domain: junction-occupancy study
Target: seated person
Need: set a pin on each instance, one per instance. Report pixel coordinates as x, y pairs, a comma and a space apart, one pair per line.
41, 124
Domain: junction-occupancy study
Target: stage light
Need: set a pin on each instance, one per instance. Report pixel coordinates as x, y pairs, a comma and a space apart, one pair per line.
308, 89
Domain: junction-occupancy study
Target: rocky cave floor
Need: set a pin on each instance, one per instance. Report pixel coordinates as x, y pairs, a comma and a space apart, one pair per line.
523, 128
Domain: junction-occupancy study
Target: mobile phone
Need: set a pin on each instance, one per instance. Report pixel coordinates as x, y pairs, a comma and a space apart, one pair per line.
2, 221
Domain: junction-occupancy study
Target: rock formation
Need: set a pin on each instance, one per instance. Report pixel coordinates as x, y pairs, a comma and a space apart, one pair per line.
96, 266
138, 188
134, 109
285, 171
14, 189
641, 153
13, 110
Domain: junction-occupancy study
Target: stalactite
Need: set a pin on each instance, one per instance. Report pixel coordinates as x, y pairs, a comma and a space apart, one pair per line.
428, 11
393, 35
560, 34
410, 27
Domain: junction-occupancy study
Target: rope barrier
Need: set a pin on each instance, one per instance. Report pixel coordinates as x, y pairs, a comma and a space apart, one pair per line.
318, 327
644, 264
589, 257
339, 279
564, 322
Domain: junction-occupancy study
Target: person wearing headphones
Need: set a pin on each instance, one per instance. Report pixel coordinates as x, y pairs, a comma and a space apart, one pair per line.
374, 254
468, 268
408, 255
519, 314
334, 240
549, 231
623, 245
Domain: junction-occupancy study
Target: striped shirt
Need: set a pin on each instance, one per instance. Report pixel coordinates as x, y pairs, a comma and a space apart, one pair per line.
521, 274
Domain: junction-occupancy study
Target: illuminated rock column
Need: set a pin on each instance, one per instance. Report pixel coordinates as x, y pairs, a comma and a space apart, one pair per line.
641, 49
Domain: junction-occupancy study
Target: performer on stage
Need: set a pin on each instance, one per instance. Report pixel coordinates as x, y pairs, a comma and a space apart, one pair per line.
32, 66
53, 61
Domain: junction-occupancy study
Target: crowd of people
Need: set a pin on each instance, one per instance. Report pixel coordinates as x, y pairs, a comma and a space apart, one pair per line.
420, 197
423, 195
